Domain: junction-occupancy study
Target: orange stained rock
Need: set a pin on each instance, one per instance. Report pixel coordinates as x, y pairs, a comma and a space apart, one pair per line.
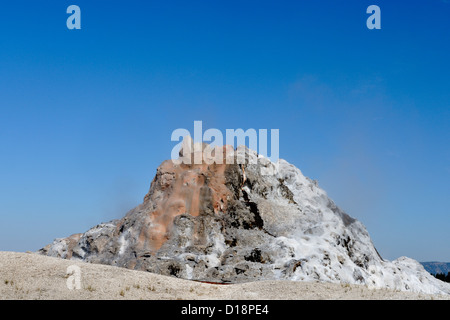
179, 189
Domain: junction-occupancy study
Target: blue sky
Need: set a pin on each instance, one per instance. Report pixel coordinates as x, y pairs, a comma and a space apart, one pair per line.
86, 115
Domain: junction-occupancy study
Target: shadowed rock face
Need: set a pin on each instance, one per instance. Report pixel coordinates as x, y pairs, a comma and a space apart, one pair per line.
235, 223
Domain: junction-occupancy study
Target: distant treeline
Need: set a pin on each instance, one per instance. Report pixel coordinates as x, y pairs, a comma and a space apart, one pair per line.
442, 276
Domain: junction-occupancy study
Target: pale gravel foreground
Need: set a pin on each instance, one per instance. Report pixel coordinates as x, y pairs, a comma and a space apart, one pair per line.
32, 276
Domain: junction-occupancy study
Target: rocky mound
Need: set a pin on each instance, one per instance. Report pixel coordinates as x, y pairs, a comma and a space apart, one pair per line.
243, 221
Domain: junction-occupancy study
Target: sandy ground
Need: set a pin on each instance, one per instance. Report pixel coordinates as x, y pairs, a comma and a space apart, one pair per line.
32, 276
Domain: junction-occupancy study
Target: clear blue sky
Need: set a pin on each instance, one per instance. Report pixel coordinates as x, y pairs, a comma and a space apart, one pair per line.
86, 115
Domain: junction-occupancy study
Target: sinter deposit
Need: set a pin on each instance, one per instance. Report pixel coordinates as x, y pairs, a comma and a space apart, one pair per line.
231, 223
